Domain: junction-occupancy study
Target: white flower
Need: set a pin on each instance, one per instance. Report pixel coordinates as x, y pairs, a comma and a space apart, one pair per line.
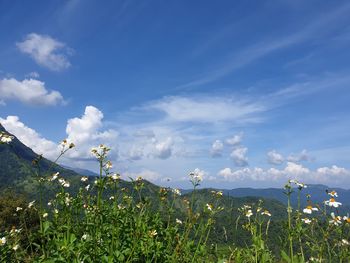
111, 198
45, 215
309, 209
178, 221
249, 213
333, 194
210, 207
15, 247
2, 241
196, 176
18, 209
5, 138
55, 211
265, 212
49, 204
332, 202
61, 181
67, 200
345, 242
176, 191
109, 165
153, 233
306, 220
115, 177
336, 220
84, 179
66, 184
84, 237
87, 187
54, 176
31, 204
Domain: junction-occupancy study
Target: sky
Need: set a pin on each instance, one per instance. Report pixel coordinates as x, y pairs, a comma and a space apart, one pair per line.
247, 93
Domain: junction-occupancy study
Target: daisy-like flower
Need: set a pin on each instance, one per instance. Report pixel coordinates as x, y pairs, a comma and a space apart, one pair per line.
2, 241
108, 165
18, 209
115, 177
31, 204
54, 176
306, 220
153, 233
309, 209
248, 213
332, 202
45, 215
84, 237
333, 194
210, 207
336, 220
15, 247
301, 185
345, 242
266, 212
6, 138
196, 176
178, 221
139, 178
66, 184
111, 197
84, 179
176, 191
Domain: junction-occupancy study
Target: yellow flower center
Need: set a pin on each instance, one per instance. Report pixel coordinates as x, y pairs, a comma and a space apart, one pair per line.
332, 200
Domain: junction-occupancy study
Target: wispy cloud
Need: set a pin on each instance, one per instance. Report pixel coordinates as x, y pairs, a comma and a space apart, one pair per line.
320, 26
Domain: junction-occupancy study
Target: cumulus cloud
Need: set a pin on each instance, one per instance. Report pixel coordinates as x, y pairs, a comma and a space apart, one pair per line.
217, 148
163, 149
235, 140
206, 109
255, 174
274, 157
238, 155
332, 176
30, 137
46, 51
302, 156
86, 132
135, 153
29, 91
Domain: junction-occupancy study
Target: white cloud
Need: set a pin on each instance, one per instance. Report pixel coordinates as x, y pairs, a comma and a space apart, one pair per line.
332, 176
86, 132
206, 109
274, 157
302, 156
235, 140
30, 137
163, 149
29, 91
217, 148
135, 153
238, 155
46, 51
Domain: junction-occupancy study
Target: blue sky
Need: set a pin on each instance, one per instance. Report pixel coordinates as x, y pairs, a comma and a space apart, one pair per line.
251, 93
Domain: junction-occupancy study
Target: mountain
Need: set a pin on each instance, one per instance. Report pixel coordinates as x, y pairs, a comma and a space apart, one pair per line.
317, 192
81, 171
18, 172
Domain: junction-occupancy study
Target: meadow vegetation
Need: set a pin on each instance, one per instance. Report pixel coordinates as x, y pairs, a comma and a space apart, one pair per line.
103, 221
